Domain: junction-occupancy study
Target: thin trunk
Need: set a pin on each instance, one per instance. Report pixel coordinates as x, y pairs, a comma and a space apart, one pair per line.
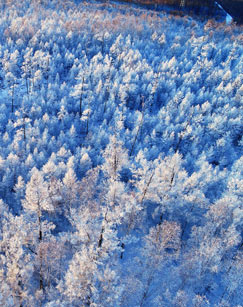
80, 105
135, 139
181, 136
145, 294
161, 218
102, 230
18, 298
106, 99
24, 128
88, 115
172, 178
48, 67
223, 295
41, 283
101, 237
81, 97
87, 126
88, 300
102, 45
123, 249
41, 275
115, 165
27, 86
139, 128
105, 107
146, 188
12, 109
40, 228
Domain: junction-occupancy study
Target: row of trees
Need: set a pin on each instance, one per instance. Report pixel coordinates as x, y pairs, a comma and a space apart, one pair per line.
120, 164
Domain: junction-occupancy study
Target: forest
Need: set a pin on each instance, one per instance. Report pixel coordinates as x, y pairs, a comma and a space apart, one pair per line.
121, 157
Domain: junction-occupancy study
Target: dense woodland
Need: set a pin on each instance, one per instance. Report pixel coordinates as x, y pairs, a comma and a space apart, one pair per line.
120, 158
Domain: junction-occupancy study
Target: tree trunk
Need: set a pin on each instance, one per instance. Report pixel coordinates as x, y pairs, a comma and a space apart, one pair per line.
27, 88
145, 294
123, 249
12, 109
80, 106
41, 283
40, 228
101, 238
139, 128
24, 128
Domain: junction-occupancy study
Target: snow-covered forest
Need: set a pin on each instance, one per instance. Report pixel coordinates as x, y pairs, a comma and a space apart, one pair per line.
120, 158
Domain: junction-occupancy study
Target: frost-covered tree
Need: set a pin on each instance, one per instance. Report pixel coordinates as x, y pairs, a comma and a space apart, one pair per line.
80, 88
15, 270
35, 203
160, 246
118, 128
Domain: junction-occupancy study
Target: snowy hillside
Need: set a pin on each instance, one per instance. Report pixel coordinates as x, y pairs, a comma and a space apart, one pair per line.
120, 157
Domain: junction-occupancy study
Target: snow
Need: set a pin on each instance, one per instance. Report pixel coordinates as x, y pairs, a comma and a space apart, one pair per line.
124, 151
